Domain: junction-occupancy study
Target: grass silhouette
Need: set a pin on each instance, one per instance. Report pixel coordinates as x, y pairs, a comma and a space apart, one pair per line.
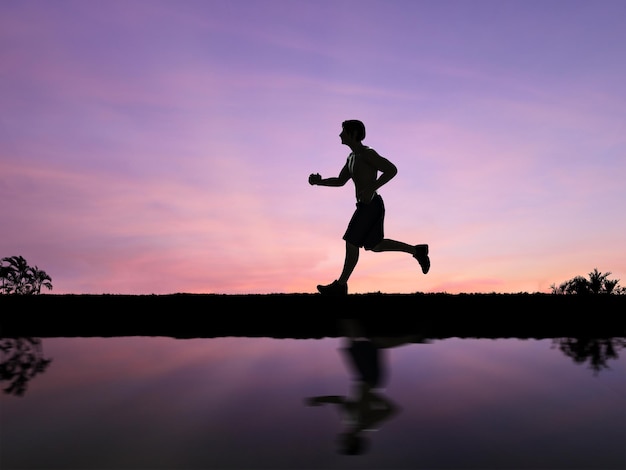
432, 316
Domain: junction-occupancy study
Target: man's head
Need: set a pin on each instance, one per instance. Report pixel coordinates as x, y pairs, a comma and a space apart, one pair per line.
355, 128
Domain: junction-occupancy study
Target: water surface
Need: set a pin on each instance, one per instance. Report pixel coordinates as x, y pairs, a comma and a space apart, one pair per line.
234, 403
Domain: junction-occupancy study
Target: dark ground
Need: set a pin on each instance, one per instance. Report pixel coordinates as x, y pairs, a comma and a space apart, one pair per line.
433, 316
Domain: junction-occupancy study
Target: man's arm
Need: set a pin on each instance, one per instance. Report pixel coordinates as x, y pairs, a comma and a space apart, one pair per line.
344, 176
387, 169
368, 183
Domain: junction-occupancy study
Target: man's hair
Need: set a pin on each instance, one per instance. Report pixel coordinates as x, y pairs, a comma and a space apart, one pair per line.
355, 127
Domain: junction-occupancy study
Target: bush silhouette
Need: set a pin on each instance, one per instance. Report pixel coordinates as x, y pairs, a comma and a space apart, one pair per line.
598, 283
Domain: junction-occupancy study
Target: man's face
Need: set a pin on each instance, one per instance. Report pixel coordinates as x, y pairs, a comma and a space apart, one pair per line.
346, 137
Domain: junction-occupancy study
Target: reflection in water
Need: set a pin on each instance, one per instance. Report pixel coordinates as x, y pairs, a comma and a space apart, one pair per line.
368, 407
595, 351
21, 359
158, 402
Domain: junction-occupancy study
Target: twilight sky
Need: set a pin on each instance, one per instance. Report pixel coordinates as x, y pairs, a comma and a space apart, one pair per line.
163, 146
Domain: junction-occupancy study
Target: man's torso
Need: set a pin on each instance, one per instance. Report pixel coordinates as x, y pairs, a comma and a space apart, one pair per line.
361, 171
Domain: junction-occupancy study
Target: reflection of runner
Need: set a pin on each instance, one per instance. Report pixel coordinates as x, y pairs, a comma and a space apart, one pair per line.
368, 408
365, 358
366, 412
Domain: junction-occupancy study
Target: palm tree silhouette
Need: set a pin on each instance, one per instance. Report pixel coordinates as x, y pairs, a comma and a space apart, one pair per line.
20, 278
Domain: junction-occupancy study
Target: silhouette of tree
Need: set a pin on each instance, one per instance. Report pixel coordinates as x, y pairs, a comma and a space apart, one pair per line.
593, 350
17, 277
598, 283
39, 279
21, 359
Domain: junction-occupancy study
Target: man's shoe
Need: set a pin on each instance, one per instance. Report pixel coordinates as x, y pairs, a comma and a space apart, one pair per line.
421, 255
334, 288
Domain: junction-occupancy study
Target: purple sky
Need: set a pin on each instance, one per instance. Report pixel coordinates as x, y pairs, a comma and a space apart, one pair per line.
164, 146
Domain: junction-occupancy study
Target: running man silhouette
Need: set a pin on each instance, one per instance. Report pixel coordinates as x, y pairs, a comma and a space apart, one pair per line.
366, 227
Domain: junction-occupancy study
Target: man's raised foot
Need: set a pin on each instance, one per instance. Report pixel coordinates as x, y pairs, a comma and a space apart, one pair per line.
421, 255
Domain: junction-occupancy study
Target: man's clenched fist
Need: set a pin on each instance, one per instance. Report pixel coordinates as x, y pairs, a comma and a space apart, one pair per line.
315, 178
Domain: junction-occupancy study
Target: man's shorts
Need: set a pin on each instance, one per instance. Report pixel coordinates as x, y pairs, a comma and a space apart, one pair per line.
366, 228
